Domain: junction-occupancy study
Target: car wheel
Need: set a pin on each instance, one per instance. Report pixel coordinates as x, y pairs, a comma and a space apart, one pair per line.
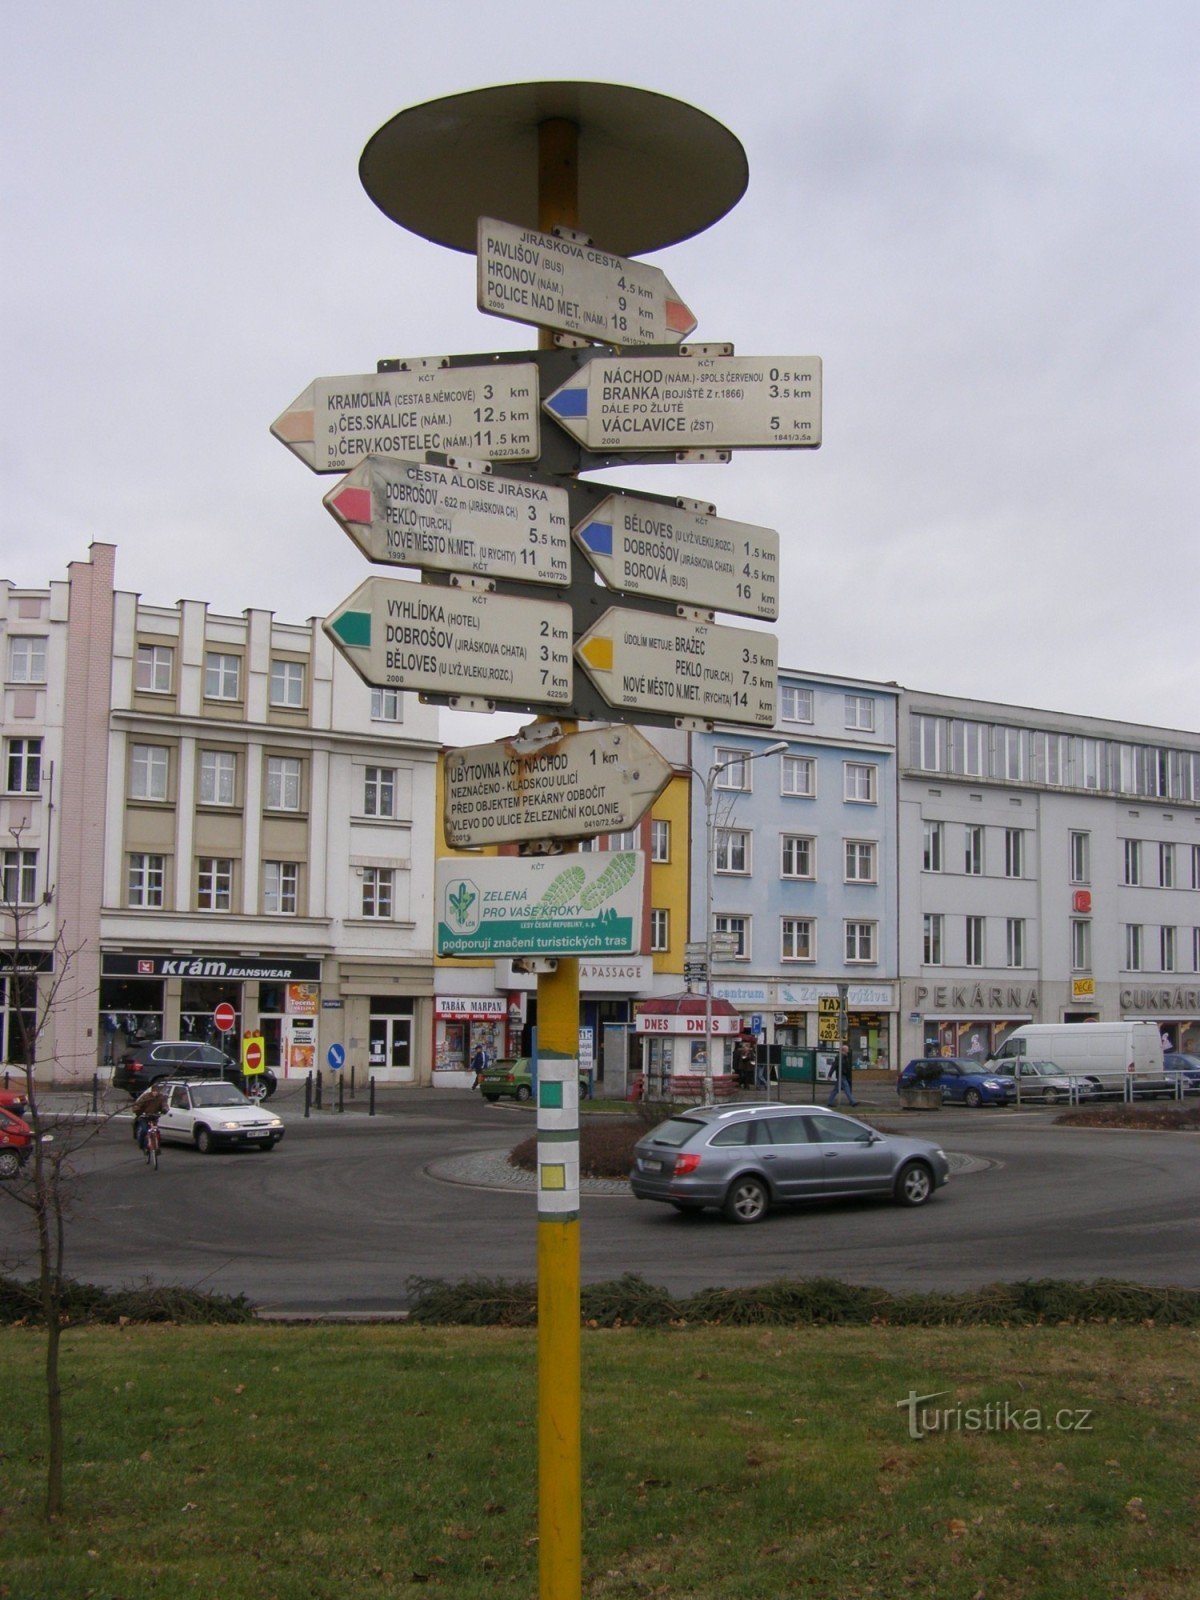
10, 1163
748, 1200
255, 1089
204, 1141
1050, 1096
914, 1185
972, 1097
270, 1083
523, 1091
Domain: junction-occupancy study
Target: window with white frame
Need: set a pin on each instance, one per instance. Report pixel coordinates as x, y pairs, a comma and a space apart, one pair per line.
975, 942
968, 748
736, 928
385, 705
660, 929
1014, 942
146, 881
283, 783
732, 850
1196, 949
973, 850
660, 840
860, 861
932, 928
222, 676
795, 703
1167, 949
860, 712
1014, 854
797, 855
1131, 856
1166, 865
18, 877
149, 765
23, 766
378, 888
1081, 944
1012, 746
629, 839
735, 770
26, 658
1080, 852
153, 668
929, 743
798, 776
1133, 947
214, 883
588, 846
931, 858
1195, 866
379, 792
798, 939
860, 943
280, 888
860, 779
287, 684
218, 777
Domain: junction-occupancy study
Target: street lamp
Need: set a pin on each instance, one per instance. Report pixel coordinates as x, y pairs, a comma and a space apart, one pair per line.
710, 784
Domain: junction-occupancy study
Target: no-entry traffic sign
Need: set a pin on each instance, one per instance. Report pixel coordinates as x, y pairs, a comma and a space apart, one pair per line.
224, 1017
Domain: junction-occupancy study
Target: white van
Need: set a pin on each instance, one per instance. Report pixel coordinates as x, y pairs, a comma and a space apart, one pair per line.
1110, 1051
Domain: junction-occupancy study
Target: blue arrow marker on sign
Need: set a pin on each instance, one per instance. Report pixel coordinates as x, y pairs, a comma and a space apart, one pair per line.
598, 537
569, 402
336, 1056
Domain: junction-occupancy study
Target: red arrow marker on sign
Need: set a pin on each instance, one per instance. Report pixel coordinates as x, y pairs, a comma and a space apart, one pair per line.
351, 504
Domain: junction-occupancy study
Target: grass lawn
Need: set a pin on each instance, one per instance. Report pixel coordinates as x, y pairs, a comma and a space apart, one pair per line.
336, 1463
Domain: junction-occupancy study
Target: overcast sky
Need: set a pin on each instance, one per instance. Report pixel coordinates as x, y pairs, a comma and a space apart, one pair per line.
982, 216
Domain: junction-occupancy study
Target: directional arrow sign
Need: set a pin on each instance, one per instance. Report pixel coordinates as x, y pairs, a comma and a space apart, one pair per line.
450, 520
399, 635
574, 786
640, 660
575, 288
643, 547
691, 402
487, 412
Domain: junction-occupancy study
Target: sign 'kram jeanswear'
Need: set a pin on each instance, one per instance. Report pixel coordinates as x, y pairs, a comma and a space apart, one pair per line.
278, 969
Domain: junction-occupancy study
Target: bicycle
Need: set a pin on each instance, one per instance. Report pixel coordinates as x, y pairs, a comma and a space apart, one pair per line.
151, 1142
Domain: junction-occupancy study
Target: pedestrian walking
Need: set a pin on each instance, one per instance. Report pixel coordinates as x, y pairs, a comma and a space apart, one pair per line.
843, 1083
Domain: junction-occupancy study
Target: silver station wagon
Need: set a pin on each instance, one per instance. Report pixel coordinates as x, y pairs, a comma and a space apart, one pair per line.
745, 1159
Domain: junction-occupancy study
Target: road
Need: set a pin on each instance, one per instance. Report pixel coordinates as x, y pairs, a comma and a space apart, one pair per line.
350, 1208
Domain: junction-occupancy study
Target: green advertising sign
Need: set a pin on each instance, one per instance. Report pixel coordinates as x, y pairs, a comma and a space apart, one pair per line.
565, 905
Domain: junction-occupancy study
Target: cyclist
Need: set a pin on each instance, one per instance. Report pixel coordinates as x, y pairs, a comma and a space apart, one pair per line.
148, 1106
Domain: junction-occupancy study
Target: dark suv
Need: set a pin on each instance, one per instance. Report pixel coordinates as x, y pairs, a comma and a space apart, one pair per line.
177, 1058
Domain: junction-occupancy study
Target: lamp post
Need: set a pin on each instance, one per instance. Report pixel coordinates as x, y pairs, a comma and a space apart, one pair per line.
710, 785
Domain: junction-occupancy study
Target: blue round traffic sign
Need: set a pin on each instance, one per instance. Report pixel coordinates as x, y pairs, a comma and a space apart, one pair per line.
336, 1056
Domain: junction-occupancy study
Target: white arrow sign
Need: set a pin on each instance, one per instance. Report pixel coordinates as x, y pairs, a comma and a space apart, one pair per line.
643, 547
449, 519
565, 284
569, 786
641, 661
642, 403
399, 635
487, 412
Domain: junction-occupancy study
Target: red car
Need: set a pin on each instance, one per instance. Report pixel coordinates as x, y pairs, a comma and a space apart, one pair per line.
14, 1100
16, 1141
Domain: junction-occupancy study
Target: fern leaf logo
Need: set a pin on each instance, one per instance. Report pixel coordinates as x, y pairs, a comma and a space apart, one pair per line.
461, 897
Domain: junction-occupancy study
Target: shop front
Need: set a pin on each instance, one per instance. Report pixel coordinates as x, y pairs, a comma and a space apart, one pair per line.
677, 1035
465, 1025
19, 1009
1176, 1009
609, 989
971, 1020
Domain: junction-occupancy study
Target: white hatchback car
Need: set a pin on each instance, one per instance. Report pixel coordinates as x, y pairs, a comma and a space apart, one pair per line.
211, 1115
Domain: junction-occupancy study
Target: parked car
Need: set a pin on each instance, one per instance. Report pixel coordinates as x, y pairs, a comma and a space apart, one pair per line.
1046, 1081
14, 1100
513, 1076
1187, 1066
214, 1115
16, 1142
962, 1081
174, 1058
745, 1159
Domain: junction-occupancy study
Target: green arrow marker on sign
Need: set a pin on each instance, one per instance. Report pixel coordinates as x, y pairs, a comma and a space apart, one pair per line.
353, 628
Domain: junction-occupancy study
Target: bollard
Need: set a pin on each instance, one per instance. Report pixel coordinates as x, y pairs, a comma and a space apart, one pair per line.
319, 1101
95, 1093
341, 1104
371, 1112
352, 1081
308, 1095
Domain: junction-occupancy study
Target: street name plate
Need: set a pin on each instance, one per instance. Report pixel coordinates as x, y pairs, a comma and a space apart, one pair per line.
564, 905
408, 514
644, 547
486, 412
691, 402
574, 786
640, 660
399, 635
572, 287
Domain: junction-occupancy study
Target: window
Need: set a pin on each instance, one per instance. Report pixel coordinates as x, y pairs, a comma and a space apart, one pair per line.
148, 764
932, 934
798, 856
218, 778
287, 683
931, 859
732, 850
26, 659
630, 839
1132, 860
929, 743
1014, 942
153, 666
798, 776
385, 705
281, 883
1080, 847
860, 712
1133, 947
377, 889
860, 861
214, 883
1014, 855
1012, 745
973, 851
147, 877
222, 676
1196, 866
18, 877
737, 929
735, 773
379, 792
23, 768
860, 942
660, 928
1167, 945
798, 939
283, 783
968, 748
975, 942
795, 704
1081, 945
1166, 866
660, 841
860, 781
1196, 949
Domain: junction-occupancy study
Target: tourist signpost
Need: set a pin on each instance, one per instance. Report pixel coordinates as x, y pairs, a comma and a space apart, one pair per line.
539, 905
